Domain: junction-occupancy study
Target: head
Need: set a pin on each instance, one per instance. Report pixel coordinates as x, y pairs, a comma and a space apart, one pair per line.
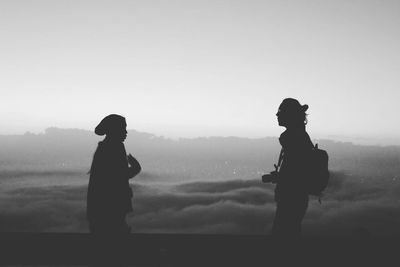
113, 126
291, 113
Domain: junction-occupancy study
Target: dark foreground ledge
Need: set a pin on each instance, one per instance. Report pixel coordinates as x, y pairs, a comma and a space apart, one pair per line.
200, 250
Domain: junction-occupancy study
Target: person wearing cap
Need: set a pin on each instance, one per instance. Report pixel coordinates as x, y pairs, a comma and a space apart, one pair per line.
290, 193
109, 194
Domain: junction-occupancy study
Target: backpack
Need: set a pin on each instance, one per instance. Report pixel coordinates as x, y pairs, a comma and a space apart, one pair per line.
318, 172
318, 177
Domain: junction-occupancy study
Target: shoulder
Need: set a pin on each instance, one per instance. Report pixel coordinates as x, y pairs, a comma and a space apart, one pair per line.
109, 149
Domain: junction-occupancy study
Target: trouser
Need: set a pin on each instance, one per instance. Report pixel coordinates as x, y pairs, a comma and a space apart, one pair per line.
288, 217
115, 224
109, 238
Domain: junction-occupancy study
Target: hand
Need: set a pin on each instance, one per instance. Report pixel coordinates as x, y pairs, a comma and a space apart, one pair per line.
135, 167
132, 161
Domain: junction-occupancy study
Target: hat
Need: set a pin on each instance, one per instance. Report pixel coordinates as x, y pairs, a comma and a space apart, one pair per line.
110, 123
293, 105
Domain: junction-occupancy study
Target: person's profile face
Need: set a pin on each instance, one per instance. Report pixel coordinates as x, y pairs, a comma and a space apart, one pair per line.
119, 133
123, 132
281, 116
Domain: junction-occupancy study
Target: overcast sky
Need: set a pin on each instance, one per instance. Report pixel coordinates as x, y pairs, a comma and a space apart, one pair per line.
200, 68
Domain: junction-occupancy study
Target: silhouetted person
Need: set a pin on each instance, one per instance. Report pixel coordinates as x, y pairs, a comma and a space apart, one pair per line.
109, 194
290, 192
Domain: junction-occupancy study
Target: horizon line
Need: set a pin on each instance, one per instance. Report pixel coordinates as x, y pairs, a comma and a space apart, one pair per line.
356, 140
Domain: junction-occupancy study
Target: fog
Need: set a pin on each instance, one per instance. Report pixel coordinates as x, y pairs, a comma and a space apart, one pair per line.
204, 185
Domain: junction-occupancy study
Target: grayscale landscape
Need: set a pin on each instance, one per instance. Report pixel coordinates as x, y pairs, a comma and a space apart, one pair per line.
201, 185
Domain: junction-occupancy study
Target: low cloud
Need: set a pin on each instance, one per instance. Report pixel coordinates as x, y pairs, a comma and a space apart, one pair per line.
43, 209
211, 207
228, 207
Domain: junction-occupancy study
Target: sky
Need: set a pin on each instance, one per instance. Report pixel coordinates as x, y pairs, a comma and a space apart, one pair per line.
200, 68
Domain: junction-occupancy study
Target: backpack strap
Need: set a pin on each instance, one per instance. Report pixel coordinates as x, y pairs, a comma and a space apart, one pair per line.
277, 167
320, 195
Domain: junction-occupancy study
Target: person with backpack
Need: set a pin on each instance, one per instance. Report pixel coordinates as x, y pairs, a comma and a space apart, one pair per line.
291, 192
